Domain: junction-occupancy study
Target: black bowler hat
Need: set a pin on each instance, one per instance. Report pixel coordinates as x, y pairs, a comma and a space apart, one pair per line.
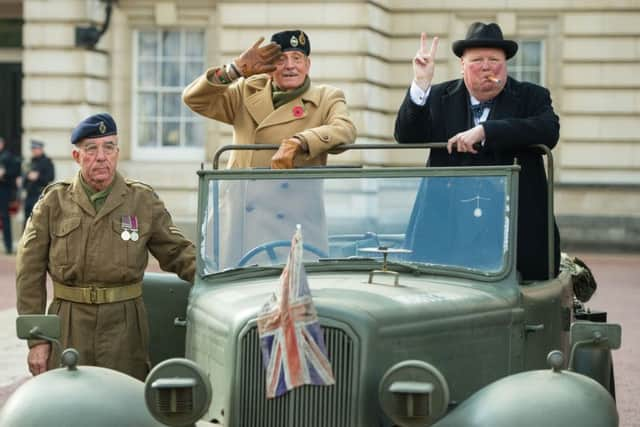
95, 126
293, 40
485, 35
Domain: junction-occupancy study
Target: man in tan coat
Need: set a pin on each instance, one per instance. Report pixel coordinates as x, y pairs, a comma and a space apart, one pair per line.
92, 235
268, 98
279, 107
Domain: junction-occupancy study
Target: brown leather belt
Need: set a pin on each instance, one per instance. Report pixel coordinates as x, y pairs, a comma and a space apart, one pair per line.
96, 295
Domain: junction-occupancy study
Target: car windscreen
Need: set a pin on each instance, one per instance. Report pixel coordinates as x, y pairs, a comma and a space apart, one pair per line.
449, 221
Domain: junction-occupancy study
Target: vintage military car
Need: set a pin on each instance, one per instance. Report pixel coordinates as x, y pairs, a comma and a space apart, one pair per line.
412, 273
418, 317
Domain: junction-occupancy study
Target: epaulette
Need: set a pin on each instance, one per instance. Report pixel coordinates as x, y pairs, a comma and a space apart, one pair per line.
138, 184
65, 183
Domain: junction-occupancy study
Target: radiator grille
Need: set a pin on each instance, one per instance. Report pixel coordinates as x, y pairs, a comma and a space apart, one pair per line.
308, 406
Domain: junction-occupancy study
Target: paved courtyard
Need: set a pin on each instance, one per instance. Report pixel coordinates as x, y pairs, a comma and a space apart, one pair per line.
618, 293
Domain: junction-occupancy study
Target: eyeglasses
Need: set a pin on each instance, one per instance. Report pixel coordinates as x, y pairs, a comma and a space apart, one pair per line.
92, 149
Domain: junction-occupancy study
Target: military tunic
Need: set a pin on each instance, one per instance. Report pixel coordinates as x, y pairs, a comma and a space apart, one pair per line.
79, 247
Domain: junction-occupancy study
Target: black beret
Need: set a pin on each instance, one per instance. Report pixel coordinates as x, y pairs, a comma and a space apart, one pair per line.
36, 144
293, 40
95, 126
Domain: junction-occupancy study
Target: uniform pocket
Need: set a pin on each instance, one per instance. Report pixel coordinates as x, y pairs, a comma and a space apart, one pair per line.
65, 239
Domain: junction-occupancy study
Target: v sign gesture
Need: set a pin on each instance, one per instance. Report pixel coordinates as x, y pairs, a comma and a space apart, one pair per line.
424, 62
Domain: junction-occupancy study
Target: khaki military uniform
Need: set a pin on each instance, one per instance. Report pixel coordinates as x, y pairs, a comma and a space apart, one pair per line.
82, 249
319, 116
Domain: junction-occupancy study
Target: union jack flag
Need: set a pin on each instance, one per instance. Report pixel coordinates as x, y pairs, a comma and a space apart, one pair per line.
293, 349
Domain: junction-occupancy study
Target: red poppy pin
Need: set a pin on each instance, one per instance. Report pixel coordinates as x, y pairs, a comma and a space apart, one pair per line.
298, 111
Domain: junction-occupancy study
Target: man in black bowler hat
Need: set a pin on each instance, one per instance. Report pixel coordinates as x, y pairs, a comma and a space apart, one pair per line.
92, 234
487, 118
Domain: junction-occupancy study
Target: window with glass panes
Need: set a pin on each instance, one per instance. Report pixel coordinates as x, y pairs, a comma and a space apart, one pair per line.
166, 61
526, 65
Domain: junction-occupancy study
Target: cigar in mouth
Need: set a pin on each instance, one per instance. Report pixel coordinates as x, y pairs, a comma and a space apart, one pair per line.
494, 79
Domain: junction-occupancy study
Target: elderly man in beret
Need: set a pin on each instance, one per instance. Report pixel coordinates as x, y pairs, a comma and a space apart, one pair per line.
92, 234
267, 96
487, 118
39, 174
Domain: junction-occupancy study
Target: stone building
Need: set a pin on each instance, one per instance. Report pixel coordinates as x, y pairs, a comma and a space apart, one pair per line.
587, 53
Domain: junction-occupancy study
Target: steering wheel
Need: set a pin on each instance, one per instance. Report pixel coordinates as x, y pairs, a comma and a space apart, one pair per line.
269, 249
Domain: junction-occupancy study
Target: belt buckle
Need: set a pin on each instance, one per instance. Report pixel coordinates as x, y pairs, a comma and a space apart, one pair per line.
93, 295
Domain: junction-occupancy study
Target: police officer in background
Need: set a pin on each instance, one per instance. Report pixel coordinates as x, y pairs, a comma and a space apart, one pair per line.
9, 171
93, 234
40, 173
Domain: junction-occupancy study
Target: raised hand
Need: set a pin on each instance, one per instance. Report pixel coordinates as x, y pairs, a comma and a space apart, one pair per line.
424, 62
258, 60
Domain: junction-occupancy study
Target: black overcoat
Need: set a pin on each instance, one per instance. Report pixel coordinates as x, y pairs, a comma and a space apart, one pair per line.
522, 115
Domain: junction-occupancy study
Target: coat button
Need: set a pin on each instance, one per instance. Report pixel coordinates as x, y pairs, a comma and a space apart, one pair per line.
250, 208
284, 185
280, 215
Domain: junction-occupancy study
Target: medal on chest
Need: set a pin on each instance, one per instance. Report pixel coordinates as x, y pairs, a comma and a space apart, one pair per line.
129, 225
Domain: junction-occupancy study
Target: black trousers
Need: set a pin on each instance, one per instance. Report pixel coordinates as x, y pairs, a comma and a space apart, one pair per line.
5, 196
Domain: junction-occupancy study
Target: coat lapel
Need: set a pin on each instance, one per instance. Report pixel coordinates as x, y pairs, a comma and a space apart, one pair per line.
259, 103
115, 197
292, 110
79, 197
506, 103
456, 99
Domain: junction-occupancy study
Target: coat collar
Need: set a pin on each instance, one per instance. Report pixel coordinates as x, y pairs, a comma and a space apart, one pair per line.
259, 104
115, 198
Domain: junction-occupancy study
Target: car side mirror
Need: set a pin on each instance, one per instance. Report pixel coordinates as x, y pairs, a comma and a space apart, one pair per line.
38, 326
608, 334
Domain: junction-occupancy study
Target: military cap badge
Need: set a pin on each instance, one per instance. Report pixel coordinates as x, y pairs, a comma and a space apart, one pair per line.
293, 40
95, 126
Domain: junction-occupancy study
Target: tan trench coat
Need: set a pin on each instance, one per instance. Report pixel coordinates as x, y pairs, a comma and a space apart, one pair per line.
319, 115
78, 247
254, 213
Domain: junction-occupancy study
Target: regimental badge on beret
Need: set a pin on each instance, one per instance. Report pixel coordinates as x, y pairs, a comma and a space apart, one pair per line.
293, 40
95, 126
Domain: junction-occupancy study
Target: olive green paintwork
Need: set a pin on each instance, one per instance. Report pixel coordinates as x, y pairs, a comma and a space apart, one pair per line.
474, 329
86, 396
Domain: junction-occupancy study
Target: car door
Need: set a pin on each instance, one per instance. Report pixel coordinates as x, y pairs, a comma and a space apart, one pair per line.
166, 297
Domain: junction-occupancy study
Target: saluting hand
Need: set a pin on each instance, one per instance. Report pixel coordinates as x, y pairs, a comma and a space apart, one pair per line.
258, 60
283, 159
424, 63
